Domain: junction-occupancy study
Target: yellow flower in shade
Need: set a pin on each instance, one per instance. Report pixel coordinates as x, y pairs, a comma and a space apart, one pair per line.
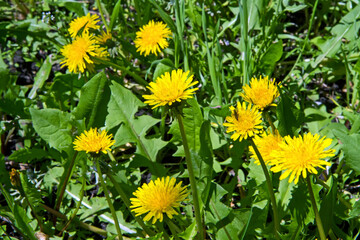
299, 155
152, 38
158, 197
103, 37
261, 93
266, 144
244, 121
93, 141
77, 54
15, 177
171, 88
85, 23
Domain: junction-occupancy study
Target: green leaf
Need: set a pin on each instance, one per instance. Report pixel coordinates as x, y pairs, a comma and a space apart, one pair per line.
94, 96
54, 127
22, 222
33, 195
328, 204
272, 55
115, 14
350, 145
41, 76
122, 108
27, 155
160, 69
289, 116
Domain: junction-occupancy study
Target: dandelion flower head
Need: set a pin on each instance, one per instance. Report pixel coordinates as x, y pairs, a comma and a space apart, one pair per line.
261, 93
171, 88
266, 144
77, 54
85, 23
103, 37
244, 121
93, 141
157, 198
152, 38
299, 155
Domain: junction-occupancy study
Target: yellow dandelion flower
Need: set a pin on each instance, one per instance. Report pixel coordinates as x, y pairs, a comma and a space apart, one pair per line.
152, 38
244, 121
261, 93
77, 54
93, 141
158, 197
170, 88
299, 155
103, 37
85, 23
266, 144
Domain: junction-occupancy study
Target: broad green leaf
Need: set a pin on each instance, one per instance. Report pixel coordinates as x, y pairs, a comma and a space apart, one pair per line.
328, 204
350, 146
22, 222
27, 155
289, 116
4, 74
54, 127
41, 76
33, 195
272, 55
160, 69
94, 96
122, 108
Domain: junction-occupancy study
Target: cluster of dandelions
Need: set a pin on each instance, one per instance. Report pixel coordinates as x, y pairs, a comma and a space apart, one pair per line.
296, 156
159, 197
87, 43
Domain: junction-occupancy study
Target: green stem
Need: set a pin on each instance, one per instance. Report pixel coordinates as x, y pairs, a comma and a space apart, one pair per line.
136, 77
268, 118
111, 206
172, 226
245, 27
32, 209
270, 187
102, 15
81, 224
317, 215
341, 199
63, 187
128, 204
191, 177
77, 207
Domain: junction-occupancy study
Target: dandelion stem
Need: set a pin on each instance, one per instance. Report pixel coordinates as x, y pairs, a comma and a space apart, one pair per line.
317, 215
270, 187
172, 226
98, 3
63, 186
127, 202
191, 177
268, 118
111, 206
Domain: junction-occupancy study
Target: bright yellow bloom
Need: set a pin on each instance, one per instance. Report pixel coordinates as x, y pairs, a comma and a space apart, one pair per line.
266, 144
170, 88
299, 155
158, 197
244, 121
261, 93
77, 54
152, 38
103, 37
93, 141
85, 23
